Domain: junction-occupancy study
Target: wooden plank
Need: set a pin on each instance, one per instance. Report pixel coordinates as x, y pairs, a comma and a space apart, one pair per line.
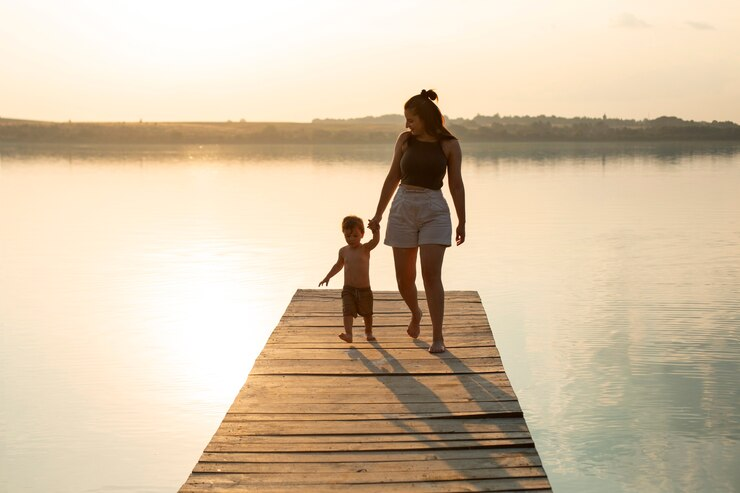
334, 309
373, 353
450, 408
317, 414
246, 416
362, 475
405, 458
398, 383
330, 305
220, 464
372, 367
238, 444
228, 483
329, 339
377, 397
231, 432
370, 427
478, 320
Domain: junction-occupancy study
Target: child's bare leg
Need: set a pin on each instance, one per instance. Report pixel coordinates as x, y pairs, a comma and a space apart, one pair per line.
347, 336
369, 328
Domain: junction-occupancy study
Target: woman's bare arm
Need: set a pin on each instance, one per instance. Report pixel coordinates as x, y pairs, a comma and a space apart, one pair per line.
391, 180
457, 188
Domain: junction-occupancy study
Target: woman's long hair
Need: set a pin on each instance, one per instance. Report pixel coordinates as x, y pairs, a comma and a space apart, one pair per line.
424, 107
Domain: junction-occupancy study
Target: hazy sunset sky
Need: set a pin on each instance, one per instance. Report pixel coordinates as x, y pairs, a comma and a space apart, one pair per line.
274, 60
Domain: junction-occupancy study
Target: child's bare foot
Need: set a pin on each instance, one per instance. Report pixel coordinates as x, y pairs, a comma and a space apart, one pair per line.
437, 347
346, 337
369, 336
415, 325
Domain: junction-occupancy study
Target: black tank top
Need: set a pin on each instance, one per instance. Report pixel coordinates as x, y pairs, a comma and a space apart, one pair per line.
423, 164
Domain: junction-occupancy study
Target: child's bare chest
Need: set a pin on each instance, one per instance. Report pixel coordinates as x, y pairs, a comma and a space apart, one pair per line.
355, 255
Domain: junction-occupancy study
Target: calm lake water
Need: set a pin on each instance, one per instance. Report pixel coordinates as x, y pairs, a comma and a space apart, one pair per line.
138, 285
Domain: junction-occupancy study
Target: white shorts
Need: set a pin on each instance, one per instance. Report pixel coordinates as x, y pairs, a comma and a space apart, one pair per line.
418, 217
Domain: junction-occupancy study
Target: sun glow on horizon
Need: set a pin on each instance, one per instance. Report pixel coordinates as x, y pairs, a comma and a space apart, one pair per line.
293, 61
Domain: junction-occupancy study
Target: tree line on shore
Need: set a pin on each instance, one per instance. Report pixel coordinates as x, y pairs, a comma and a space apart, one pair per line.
367, 130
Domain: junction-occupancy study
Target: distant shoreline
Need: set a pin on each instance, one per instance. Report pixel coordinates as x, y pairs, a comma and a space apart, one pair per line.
368, 130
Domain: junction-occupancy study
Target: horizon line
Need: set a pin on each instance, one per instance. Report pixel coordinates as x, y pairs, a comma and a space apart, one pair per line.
369, 117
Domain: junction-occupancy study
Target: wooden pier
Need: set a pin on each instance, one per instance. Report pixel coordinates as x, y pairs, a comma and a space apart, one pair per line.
319, 415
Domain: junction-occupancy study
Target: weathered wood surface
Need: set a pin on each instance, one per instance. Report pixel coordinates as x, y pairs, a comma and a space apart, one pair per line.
320, 415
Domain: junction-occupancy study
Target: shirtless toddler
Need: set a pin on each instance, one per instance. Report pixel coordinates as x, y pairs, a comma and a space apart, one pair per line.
357, 297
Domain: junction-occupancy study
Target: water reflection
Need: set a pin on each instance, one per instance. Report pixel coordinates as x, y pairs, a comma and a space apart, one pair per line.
137, 287
475, 152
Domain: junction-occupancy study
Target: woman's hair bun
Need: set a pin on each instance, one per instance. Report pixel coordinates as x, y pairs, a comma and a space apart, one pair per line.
430, 94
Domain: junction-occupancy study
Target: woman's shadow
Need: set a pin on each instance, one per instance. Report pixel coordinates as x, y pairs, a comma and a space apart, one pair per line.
493, 436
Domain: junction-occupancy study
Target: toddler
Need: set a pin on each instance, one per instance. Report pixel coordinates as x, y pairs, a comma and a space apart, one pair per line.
357, 297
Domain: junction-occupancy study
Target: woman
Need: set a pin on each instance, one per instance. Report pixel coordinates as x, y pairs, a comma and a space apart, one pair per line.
419, 219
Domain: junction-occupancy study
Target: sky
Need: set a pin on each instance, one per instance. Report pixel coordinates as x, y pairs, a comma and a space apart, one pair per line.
276, 60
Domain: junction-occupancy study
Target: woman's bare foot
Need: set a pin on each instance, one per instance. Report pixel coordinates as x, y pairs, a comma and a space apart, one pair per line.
415, 325
437, 347
369, 336
346, 337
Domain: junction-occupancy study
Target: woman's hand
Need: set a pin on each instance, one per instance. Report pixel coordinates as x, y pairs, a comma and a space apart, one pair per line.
374, 222
460, 235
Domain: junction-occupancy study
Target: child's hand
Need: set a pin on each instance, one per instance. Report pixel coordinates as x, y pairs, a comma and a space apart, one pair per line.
374, 223
324, 281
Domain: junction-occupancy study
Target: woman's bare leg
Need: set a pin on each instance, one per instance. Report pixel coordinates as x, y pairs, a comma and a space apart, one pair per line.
431, 272
405, 262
